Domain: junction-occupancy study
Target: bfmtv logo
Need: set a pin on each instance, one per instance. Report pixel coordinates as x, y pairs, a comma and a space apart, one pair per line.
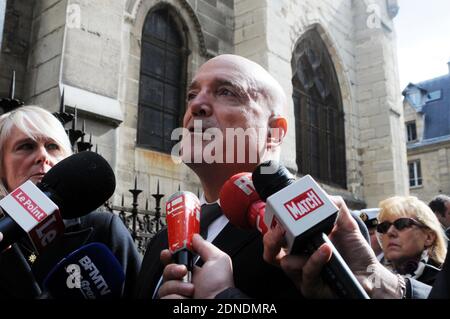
74, 278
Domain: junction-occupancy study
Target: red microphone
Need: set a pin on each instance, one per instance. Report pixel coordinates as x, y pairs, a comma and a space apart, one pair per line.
183, 221
242, 205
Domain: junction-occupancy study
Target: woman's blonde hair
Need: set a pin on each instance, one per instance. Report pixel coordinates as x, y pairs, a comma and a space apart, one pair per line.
35, 122
410, 206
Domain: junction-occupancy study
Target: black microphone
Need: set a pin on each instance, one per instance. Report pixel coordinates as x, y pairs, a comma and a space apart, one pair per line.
79, 184
307, 215
75, 186
90, 272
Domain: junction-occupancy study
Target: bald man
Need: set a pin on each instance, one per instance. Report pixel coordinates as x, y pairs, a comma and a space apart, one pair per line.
228, 94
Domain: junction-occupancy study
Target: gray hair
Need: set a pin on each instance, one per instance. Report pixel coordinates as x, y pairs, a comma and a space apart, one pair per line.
35, 122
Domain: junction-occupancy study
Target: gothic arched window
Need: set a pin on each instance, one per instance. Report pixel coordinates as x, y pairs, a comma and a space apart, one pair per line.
319, 116
162, 80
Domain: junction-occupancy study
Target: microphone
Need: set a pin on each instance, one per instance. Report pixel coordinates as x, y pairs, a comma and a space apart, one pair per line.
90, 272
72, 188
307, 214
241, 203
183, 221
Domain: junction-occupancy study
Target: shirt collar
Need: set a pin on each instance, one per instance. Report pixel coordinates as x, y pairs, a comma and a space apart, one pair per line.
203, 200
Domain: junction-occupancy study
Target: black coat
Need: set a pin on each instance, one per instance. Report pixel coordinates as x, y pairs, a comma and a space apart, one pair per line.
19, 280
441, 286
252, 275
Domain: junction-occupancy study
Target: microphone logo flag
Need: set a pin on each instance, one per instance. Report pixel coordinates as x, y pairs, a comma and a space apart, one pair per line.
299, 207
245, 184
183, 220
35, 213
29, 205
303, 204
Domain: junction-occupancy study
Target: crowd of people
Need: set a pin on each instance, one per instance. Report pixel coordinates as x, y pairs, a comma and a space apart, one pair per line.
398, 250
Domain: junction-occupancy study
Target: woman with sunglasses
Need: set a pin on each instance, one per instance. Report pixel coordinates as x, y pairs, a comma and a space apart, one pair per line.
411, 237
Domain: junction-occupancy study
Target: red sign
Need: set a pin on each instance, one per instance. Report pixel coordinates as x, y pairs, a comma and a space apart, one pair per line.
29, 205
183, 221
303, 204
47, 232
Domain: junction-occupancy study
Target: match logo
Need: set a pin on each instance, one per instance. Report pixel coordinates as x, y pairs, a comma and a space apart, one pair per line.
303, 204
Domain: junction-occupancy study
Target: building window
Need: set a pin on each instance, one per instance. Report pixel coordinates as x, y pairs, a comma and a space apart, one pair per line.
162, 80
319, 116
416, 98
411, 131
434, 96
415, 174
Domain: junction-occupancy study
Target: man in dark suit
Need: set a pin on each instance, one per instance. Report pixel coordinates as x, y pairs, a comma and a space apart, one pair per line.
228, 93
440, 205
441, 286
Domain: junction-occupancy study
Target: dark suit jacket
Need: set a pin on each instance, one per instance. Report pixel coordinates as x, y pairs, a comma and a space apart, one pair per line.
252, 275
19, 280
441, 286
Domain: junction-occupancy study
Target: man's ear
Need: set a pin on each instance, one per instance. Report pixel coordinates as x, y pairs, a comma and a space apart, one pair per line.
277, 131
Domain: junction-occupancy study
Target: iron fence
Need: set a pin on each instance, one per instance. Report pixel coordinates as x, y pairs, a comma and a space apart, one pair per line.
143, 224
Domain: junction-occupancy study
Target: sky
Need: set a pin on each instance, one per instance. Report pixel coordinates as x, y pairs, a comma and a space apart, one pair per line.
2, 17
423, 39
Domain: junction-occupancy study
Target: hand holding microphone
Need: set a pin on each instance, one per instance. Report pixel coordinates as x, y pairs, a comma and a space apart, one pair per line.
181, 279
213, 277
305, 270
307, 215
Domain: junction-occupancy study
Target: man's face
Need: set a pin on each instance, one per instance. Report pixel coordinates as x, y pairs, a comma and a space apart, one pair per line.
446, 219
220, 97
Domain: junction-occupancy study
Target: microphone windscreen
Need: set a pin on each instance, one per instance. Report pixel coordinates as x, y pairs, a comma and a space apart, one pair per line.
271, 177
79, 184
90, 272
236, 197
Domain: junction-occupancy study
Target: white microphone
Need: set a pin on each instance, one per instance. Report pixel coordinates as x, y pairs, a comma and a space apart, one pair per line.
307, 215
29, 208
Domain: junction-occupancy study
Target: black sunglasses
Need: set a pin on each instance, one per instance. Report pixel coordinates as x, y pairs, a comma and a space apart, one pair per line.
399, 224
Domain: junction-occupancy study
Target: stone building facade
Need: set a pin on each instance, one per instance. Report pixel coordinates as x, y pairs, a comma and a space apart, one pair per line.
427, 123
337, 54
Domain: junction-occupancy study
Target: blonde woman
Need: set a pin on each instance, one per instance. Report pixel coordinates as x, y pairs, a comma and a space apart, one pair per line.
412, 239
32, 141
